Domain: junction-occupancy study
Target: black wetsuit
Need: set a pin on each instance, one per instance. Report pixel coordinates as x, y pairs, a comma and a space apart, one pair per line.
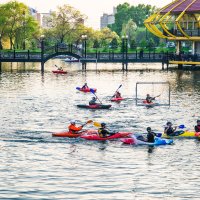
149, 99
103, 132
150, 137
92, 102
170, 131
197, 128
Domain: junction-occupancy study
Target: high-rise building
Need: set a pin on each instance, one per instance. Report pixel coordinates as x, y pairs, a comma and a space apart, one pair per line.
107, 19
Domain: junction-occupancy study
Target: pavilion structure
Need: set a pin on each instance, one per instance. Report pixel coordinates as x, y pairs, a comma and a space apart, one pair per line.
178, 21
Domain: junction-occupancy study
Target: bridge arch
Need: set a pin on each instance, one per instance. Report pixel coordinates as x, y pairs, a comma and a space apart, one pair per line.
46, 58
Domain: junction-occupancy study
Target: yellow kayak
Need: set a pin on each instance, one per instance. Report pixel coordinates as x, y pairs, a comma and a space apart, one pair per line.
189, 134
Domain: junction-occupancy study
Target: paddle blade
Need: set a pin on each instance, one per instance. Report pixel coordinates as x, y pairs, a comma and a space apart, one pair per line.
93, 91
181, 126
97, 124
89, 121
78, 88
120, 86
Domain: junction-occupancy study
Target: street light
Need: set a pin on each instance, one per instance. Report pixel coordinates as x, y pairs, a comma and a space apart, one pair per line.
1, 47
125, 46
24, 35
84, 38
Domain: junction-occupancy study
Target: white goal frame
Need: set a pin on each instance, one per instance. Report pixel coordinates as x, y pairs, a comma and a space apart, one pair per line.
153, 83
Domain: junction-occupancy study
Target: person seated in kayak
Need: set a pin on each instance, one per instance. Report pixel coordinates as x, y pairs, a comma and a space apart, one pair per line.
73, 128
150, 135
169, 130
197, 127
149, 98
117, 95
93, 101
85, 86
103, 132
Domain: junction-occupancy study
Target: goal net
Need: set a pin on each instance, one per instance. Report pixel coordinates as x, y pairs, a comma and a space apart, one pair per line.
160, 90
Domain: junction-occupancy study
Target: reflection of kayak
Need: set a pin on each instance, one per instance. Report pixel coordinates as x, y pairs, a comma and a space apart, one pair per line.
135, 141
97, 106
97, 137
151, 104
117, 99
72, 135
180, 134
86, 89
59, 72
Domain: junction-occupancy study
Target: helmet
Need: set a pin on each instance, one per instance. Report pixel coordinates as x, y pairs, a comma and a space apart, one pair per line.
103, 124
73, 122
169, 123
148, 128
94, 98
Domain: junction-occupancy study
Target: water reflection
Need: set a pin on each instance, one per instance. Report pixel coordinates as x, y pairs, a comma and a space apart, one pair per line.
33, 105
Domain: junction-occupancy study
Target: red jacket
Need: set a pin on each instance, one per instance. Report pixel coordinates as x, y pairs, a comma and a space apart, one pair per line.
73, 129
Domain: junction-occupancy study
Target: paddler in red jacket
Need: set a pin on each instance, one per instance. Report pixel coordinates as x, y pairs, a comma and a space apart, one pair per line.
73, 128
197, 127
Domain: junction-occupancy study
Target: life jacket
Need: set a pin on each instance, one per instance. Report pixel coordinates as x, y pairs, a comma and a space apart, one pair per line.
197, 128
73, 129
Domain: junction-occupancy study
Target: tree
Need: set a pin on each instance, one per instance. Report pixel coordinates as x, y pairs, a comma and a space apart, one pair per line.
16, 23
129, 30
107, 36
65, 22
114, 43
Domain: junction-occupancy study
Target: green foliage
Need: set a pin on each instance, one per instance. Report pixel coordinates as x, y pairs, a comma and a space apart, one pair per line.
16, 24
137, 14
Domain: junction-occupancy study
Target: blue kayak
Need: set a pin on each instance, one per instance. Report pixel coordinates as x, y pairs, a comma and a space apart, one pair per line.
158, 141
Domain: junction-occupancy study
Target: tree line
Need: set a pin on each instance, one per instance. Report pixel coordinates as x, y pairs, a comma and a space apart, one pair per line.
20, 30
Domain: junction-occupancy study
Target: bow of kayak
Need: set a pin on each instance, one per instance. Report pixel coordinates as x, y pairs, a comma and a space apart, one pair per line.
117, 99
73, 135
183, 134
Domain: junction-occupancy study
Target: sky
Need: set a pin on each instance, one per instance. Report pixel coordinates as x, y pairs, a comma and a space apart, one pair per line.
93, 9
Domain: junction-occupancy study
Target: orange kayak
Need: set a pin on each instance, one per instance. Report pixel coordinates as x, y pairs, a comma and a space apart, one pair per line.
73, 135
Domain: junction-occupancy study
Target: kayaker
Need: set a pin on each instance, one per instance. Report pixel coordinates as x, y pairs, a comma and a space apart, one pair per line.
149, 98
197, 127
150, 135
103, 132
85, 86
73, 128
169, 130
93, 101
117, 95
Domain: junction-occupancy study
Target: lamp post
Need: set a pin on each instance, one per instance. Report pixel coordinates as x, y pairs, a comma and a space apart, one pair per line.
1, 47
84, 38
24, 34
125, 50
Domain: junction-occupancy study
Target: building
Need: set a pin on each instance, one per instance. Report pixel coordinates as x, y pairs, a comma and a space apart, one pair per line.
107, 19
179, 22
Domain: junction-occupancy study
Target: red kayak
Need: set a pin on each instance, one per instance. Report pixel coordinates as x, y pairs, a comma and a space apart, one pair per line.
112, 137
151, 104
97, 106
117, 99
73, 135
86, 89
59, 72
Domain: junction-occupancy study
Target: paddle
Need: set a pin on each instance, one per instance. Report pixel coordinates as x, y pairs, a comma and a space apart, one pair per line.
116, 91
93, 92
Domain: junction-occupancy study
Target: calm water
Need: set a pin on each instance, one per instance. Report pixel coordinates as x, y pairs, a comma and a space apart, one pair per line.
36, 166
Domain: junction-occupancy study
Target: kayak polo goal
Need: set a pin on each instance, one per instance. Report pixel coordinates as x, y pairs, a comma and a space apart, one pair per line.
159, 91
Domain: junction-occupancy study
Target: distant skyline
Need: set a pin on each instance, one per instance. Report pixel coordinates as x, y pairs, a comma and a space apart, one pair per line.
93, 9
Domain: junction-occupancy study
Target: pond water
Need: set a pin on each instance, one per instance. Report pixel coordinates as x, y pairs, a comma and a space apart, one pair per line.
36, 166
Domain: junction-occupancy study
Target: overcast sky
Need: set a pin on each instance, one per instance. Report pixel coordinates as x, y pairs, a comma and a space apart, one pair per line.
93, 9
